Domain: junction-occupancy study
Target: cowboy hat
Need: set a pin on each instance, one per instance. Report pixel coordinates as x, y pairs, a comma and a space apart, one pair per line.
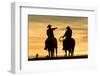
49, 26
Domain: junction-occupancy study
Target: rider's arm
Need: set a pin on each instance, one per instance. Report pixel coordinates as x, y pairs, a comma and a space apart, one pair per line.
64, 34
54, 28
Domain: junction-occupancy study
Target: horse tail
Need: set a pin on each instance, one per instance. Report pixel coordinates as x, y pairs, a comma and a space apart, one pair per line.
55, 45
73, 43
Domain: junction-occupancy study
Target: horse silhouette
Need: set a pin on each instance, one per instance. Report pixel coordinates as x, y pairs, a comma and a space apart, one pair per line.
68, 45
51, 45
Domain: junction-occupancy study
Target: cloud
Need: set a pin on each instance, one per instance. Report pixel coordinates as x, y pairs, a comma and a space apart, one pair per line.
84, 29
62, 19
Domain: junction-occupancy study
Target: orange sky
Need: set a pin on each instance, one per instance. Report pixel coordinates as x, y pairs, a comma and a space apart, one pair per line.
37, 33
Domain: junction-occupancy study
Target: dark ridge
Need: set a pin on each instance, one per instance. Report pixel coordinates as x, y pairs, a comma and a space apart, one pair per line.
59, 58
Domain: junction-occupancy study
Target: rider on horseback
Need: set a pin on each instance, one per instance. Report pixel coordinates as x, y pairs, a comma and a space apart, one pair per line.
67, 35
50, 34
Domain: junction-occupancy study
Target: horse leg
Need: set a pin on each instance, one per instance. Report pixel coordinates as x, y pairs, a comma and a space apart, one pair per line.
65, 52
56, 52
52, 53
70, 51
49, 52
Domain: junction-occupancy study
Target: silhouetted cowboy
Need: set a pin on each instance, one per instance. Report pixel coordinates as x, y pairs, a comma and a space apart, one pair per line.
50, 34
50, 30
68, 33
